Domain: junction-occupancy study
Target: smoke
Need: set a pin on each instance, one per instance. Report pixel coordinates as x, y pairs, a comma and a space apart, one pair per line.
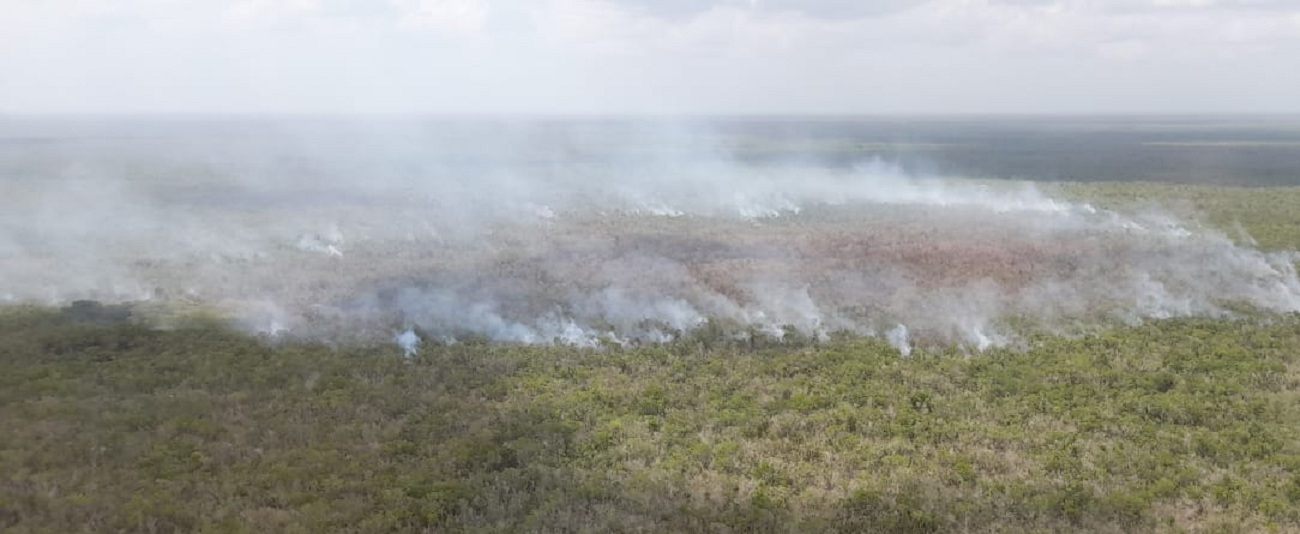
581, 233
409, 341
899, 339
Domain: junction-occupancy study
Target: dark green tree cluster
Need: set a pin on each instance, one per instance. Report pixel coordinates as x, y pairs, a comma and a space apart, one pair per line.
114, 425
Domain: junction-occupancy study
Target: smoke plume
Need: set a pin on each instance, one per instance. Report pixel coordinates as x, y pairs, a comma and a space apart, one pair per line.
582, 233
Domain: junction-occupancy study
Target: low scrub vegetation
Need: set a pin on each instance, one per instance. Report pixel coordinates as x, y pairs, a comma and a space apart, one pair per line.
1262, 215
1182, 425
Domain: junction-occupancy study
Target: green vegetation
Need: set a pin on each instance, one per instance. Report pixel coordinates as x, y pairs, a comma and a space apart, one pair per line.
1185, 425
1269, 215
1175, 425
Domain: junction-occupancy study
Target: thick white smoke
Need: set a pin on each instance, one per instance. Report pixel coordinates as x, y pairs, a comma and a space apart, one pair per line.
581, 234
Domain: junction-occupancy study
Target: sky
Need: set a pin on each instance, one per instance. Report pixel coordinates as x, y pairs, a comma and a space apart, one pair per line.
649, 57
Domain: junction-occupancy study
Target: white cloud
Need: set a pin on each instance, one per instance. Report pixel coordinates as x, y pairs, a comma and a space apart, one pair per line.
270, 11
638, 55
457, 17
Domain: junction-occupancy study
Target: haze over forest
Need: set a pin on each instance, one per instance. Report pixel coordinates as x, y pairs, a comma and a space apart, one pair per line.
386, 165
726, 266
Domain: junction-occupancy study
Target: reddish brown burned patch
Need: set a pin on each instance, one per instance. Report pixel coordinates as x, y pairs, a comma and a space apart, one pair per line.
930, 260
720, 278
861, 265
928, 252
842, 262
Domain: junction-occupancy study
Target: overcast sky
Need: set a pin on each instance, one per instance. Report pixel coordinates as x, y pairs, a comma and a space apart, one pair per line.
646, 56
